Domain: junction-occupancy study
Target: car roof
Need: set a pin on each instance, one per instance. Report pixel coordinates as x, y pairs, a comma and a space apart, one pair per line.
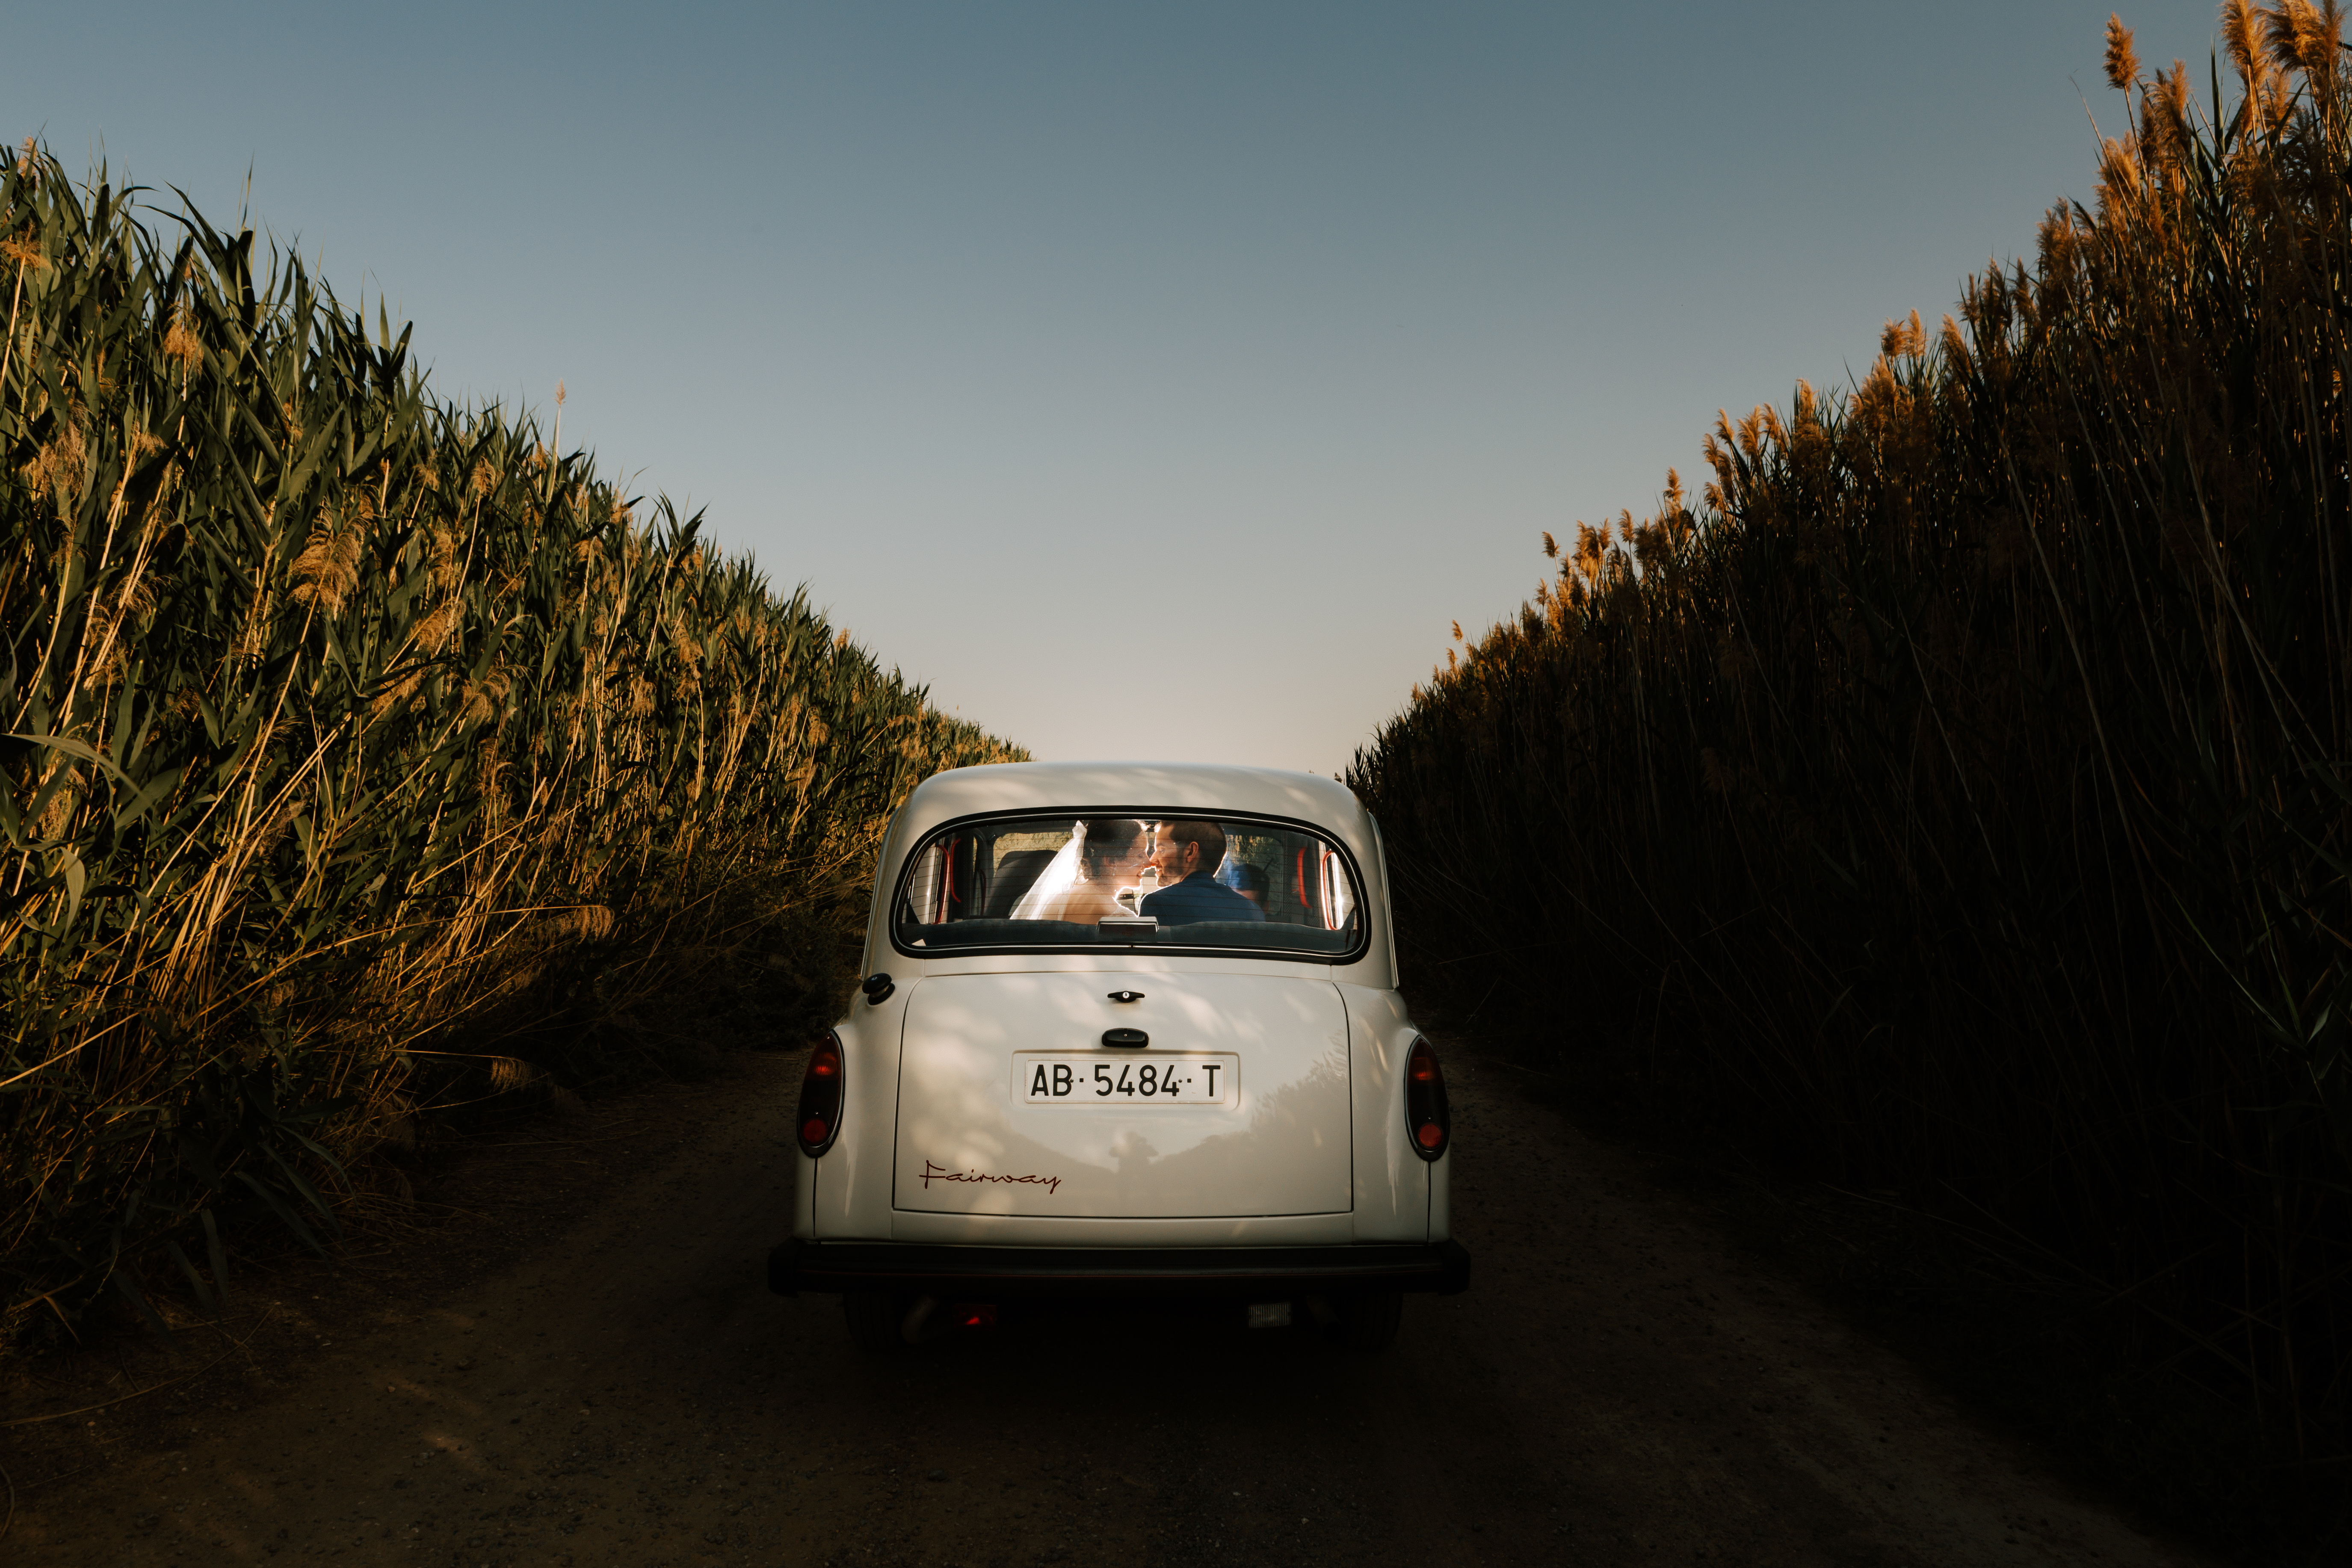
1108, 786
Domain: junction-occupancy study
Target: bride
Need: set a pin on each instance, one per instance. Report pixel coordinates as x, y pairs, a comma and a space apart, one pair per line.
1110, 855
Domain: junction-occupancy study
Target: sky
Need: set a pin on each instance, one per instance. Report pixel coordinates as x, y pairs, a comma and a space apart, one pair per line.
1153, 383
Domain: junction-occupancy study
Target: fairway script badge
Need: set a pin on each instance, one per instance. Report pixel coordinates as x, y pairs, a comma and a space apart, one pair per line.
936, 1172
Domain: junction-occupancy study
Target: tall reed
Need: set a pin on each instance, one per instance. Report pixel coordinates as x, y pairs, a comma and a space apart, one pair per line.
361, 752
1959, 794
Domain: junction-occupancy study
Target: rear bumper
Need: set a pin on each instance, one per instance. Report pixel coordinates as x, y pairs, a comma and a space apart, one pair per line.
1023, 1273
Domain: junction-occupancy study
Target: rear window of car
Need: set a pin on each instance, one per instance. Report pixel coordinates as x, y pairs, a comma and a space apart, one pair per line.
1073, 881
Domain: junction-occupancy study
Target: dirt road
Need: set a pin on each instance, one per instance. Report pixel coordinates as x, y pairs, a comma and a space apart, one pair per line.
611, 1383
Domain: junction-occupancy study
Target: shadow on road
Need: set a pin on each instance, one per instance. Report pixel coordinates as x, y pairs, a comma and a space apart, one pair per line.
612, 1384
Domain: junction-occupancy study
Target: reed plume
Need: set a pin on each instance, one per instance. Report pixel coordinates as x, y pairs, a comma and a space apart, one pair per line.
2122, 60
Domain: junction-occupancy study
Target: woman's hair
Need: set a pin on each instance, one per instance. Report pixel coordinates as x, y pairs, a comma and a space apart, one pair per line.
1105, 838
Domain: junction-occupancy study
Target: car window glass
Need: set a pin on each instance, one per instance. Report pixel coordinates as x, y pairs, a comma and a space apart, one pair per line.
1101, 880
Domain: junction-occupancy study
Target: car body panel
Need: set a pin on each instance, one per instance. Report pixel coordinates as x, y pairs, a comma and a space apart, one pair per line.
1441, 1199
851, 1185
1033, 1230
1390, 1196
1280, 1146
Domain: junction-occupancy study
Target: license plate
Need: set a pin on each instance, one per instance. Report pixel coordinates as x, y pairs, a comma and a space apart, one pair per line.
1161, 1077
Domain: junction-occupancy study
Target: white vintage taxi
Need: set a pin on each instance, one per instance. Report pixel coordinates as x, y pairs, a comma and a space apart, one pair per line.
1127, 1030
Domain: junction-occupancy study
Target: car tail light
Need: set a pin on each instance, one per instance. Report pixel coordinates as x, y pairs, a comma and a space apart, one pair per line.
1427, 1120
820, 1114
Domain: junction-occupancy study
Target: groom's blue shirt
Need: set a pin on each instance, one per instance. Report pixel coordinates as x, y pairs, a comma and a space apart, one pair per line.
1199, 896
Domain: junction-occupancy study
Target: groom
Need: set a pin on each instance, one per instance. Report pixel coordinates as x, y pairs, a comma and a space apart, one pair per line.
1187, 855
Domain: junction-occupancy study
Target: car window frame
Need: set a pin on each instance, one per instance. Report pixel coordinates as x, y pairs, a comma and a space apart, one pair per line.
1366, 896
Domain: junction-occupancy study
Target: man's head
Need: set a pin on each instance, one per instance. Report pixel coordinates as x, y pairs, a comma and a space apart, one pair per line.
1250, 883
1182, 849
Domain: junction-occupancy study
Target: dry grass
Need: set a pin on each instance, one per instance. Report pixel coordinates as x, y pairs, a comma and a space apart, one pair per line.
1958, 795
363, 756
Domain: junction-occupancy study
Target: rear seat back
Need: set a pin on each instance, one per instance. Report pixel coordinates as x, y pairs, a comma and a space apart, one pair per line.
1015, 875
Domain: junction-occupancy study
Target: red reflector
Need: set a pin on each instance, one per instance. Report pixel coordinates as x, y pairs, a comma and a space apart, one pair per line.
822, 1065
812, 1130
1431, 1135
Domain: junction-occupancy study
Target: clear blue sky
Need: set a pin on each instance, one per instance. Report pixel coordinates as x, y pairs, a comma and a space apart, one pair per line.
1150, 381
